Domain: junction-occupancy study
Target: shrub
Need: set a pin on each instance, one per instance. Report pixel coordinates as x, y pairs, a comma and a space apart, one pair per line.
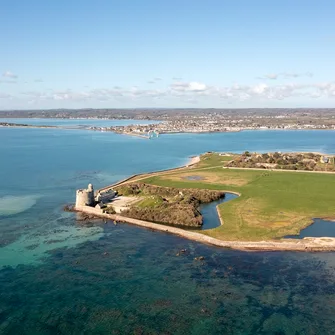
109, 210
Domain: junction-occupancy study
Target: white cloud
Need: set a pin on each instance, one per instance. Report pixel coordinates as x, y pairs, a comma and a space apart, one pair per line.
179, 92
272, 76
188, 87
327, 88
38, 80
194, 86
275, 76
70, 95
154, 80
9, 74
259, 89
297, 75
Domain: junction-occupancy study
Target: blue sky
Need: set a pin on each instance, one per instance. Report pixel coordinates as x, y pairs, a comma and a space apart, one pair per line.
168, 53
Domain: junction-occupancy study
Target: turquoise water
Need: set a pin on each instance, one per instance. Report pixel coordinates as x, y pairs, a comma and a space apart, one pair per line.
61, 275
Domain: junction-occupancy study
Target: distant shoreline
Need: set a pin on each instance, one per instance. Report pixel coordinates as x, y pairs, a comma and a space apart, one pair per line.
24, 126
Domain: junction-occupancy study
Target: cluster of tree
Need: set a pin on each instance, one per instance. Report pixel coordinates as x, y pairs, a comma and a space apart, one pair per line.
176, 206
109, 209
203, 196
168, 213
291, 161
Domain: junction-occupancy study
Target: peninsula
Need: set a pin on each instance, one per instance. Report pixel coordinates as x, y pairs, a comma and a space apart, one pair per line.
279, 194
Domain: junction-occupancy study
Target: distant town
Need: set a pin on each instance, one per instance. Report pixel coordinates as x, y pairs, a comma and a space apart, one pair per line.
190, 120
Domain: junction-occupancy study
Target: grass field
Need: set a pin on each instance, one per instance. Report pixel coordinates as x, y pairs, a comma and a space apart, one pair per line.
149, 201
272, 203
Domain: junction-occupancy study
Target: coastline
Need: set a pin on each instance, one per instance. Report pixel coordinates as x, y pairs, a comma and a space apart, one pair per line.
132, 134
161, 132
193, 160
309, 244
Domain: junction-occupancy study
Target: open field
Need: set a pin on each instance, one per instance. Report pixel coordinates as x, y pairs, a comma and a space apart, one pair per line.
272, 203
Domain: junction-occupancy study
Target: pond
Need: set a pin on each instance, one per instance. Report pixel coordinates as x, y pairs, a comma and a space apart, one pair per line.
320, 228
194, 178
210, 214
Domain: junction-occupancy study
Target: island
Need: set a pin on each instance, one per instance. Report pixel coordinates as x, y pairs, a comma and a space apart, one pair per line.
279, 194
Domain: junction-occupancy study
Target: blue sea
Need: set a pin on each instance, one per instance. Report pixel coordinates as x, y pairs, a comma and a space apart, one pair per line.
61, 275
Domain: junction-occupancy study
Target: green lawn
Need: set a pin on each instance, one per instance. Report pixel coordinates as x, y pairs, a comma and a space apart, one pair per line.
272, 203
151, 201
213, 159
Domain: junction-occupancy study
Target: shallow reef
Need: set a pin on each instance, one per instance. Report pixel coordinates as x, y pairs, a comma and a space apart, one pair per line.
136, 281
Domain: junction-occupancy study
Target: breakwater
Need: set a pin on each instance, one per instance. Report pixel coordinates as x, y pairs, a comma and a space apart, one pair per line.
306, 244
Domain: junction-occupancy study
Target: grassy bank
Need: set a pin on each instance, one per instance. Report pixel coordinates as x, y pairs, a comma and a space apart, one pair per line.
272, 203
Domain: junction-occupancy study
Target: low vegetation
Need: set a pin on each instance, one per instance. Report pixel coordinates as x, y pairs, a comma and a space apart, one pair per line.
285, 161
109, 209
203, 195
167, 205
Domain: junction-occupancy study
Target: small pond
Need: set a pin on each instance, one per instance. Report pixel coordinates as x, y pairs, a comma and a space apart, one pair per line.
210, 216
320, 228
194, 178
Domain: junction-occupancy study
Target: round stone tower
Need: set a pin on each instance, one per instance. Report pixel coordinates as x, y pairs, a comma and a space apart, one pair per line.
85, 197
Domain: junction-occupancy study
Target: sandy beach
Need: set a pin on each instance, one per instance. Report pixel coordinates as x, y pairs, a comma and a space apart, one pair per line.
193, 160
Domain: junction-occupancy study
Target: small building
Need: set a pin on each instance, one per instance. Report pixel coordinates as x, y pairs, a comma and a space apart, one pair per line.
106, 196
100, 205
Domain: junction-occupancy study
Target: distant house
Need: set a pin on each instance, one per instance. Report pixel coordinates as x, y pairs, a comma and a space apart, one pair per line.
100, 205
324, 159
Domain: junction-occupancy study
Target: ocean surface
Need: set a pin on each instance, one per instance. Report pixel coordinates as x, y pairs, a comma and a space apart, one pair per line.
61, 275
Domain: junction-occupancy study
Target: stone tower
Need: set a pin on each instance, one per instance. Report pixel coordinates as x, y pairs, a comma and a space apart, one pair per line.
85, 197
